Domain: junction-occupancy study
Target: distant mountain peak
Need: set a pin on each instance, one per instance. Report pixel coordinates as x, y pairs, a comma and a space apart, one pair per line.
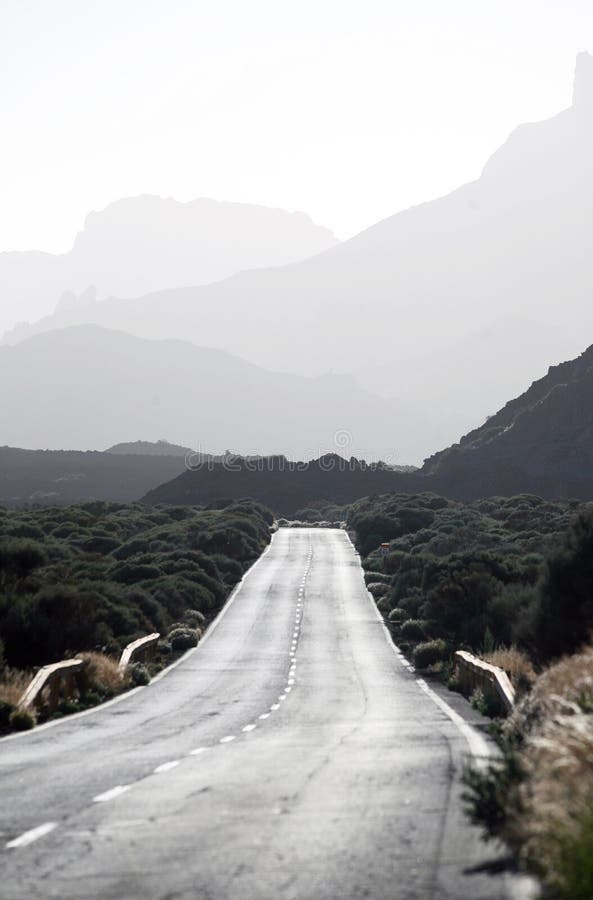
583, 82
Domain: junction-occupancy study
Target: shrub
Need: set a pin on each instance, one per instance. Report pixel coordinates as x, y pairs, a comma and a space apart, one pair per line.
194, 618
397, 615
429, 653
183, 638
413, 630
6, 709
138, 674
490, 788
102, 675
21, 720
377, 589
563, 615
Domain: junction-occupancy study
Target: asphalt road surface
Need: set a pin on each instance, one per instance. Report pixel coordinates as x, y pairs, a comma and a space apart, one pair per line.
291, 755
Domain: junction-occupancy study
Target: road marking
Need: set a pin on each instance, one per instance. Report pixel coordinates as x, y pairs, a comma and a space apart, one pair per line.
288, 690
291, 681
166, 767
282, 697
227, 739
198, 751
112, 794
33, 835
477, 744
251, 727
275, 706
265, 716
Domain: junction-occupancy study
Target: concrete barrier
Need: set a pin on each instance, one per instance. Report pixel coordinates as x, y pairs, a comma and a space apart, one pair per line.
493, 681
141, 647
60, 678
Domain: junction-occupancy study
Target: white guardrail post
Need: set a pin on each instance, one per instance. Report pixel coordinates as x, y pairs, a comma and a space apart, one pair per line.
141, 646
59, 677
493, 681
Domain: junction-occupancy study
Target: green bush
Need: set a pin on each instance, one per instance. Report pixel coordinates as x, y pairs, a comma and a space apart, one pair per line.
413, 630
194, 618
397, 615
429, 653
138, 674
183, 638
563, 614
21, 720
108, 573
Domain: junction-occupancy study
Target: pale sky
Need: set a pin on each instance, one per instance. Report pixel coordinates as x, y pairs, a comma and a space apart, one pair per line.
349, 111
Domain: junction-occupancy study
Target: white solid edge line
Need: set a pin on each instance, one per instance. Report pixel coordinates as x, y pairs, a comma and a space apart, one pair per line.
20, 735
112, 794
166, 767
23, 840
478, 745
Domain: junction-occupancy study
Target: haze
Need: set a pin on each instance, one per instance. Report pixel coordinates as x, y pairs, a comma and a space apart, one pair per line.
345, 110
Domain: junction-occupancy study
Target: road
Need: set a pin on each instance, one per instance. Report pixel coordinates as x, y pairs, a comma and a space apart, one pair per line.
291, 755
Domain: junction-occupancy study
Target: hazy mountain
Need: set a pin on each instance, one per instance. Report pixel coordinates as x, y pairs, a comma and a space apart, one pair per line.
149, 243
517, 244
540, 442
89, 387
58, 478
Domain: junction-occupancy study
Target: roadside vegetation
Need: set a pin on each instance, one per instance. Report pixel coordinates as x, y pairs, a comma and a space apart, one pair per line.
510, 579
89, 579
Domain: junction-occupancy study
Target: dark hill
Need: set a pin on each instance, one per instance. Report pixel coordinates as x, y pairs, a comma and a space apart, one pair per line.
279, 483
56, 477
540, 442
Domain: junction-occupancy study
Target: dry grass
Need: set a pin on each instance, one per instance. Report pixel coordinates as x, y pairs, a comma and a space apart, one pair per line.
13, 685
516, 664
556, 797
102, 674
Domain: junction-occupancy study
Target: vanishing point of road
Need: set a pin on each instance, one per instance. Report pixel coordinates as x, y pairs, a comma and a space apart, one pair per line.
294, 755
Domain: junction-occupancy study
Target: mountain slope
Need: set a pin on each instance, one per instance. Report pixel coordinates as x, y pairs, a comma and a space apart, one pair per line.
89, 387
149, 243
542, 441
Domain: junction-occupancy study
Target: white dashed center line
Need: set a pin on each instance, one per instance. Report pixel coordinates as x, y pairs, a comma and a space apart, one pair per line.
112, 794
251, 727
30, 836
227, 739
166, 767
